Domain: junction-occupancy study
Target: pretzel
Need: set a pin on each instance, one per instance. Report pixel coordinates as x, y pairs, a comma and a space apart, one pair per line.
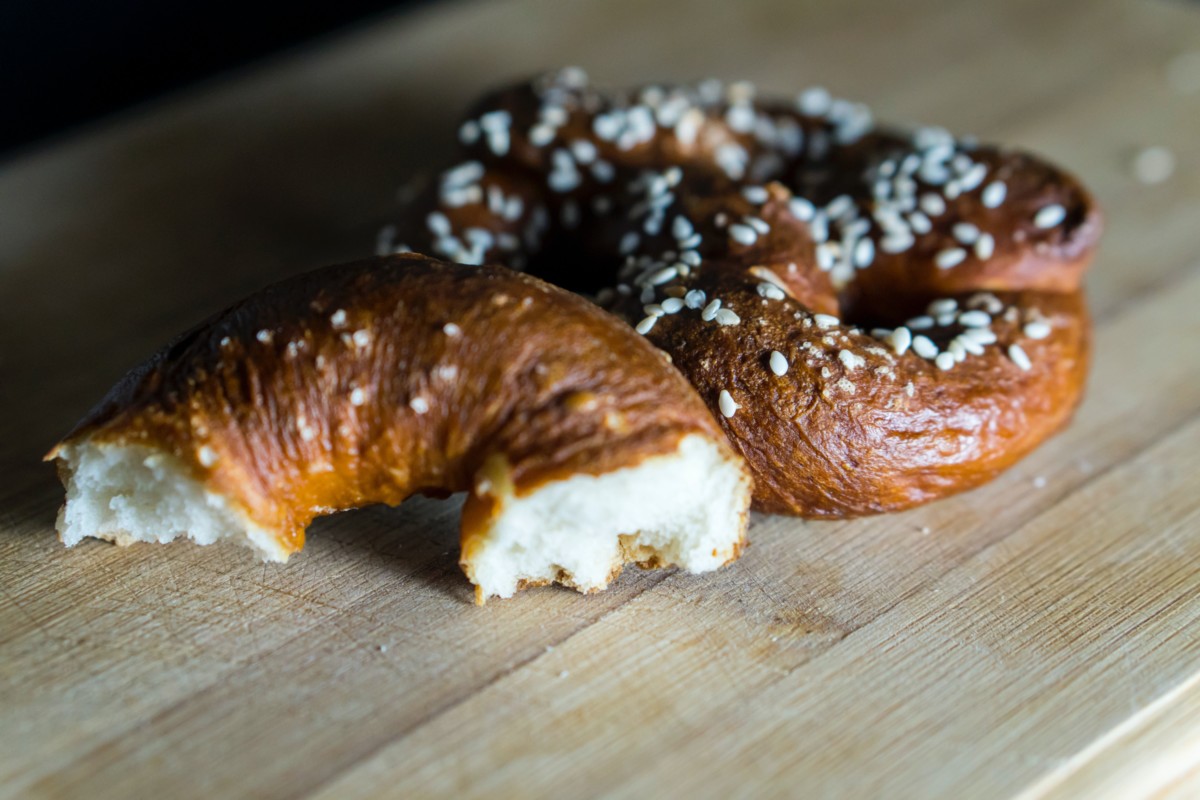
877, 318
580, 450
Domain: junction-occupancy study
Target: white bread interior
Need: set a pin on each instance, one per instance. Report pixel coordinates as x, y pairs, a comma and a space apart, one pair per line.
134, 493
686, 508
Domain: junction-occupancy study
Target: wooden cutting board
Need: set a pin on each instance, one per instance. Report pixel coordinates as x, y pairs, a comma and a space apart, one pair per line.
1038, 637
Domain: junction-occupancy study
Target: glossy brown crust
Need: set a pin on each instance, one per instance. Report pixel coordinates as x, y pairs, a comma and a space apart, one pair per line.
859, 423
838, 437
367, 382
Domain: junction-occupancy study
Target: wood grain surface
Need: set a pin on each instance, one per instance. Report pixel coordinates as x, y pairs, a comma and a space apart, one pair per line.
1039, 637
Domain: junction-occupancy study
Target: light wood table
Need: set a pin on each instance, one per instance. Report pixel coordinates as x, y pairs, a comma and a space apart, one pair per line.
1038, 637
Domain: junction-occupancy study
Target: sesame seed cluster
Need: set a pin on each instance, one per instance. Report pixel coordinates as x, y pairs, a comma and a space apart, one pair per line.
776, 249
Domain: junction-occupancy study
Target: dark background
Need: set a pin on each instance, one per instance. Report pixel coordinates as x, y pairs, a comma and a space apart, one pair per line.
66, 62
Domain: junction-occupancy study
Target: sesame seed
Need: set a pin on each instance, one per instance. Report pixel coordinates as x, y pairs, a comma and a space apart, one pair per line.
946, 259
726, 403
981, 335
664, 275
801, 209
1019, 357
944, 361
629, 242
731, 158
541, 135
965, 232
957, 349
726, 316
901, 340
1037, 330
682, 227
994, 194
839, 206
969, 344
819, 226
770, 291
827, 255
563, 180
439, 223
494, 120
226, 341
824, 321
362, 338
919, 223
645, 325
694, 299
760, 226
672, 305
975, 319
933, 204
815, 101
933, 171
741, 118
921, 323
462, 175
985, 246
450, 329
1049, 216
851, 360
653, 310
856, 227
743, 234
896, 242
207, 456
710, 311
943, 306
607, 126
469, 132
419, 404
688, 126
755, 194
924, 347
987, 301
603, 171
264, 336
864, 253
778, 363
498, 141
973, 177
357, 397
584, 151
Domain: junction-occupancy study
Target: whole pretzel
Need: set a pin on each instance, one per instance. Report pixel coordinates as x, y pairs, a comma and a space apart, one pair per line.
876, 318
